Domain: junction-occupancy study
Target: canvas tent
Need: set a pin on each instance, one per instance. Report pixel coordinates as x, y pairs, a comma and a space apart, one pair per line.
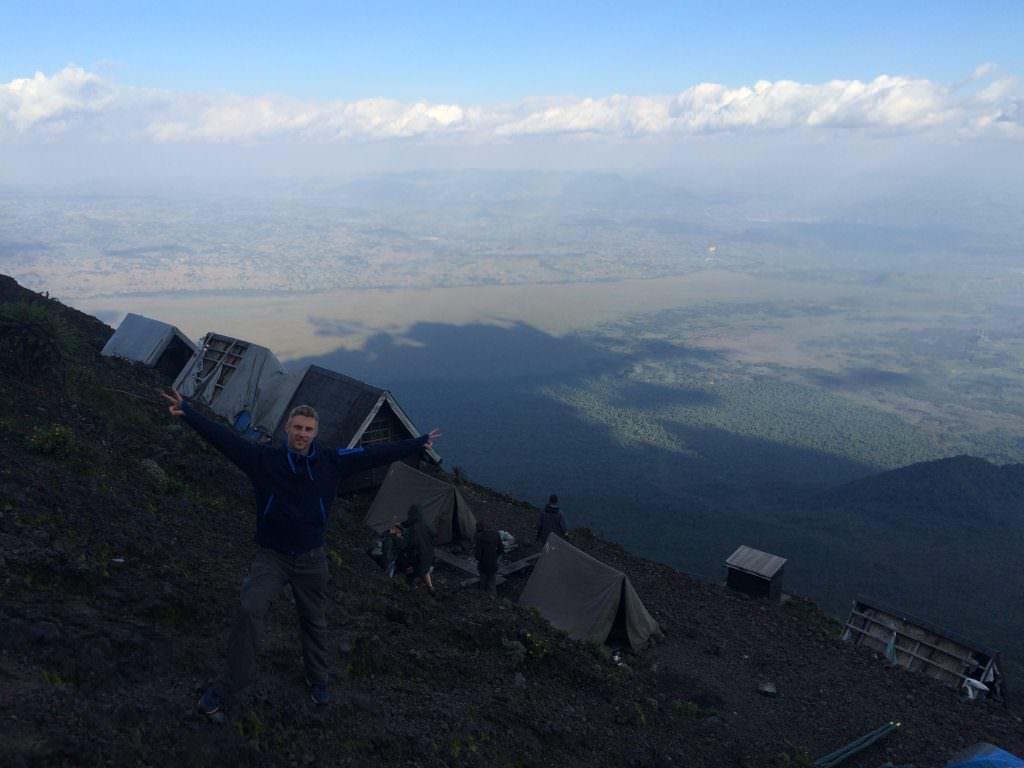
150, 342
585, 598
444, 509
239, 381
985, 755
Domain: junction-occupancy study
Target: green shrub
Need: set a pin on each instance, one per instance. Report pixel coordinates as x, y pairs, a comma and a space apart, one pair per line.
250, 726
172, 486
53, 440
692, 710
535, 647
806, 611
34, 339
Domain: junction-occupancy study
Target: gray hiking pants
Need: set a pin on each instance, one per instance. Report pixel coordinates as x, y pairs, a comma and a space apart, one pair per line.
269, 573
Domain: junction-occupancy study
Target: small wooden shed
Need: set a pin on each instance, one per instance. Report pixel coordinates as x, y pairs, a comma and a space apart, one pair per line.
755, 573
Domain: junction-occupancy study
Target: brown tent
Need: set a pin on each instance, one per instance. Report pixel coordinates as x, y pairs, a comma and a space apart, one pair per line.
444, 508
585, 598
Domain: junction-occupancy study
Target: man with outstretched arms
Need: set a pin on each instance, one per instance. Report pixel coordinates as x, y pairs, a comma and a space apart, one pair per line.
295, 486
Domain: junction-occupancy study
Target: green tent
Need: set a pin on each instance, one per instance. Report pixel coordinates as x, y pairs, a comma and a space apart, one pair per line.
444, 508
587, 599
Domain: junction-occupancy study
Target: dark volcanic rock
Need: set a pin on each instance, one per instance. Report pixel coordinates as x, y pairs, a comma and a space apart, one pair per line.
102, 661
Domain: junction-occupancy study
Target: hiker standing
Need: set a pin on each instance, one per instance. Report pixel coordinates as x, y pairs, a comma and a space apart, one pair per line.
391, 548
417, 548
550, 520
295, 486
488, 550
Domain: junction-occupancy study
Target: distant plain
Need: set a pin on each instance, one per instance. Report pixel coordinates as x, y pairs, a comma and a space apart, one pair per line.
679, 368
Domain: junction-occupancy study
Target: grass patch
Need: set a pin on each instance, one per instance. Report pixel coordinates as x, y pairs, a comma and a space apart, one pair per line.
692, 710
251, 728
54, 440
34, 340
809, 613
793, 758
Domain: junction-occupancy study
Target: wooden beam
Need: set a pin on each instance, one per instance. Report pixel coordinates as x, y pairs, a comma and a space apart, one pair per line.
927, 661
962, 659
518, 565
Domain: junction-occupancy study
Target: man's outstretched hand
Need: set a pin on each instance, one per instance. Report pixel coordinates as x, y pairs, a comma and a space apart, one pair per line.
175, 399
434, 434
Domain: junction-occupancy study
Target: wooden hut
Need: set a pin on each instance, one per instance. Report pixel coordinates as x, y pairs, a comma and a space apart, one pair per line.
352, 414
755, 573
247, 385
922, 647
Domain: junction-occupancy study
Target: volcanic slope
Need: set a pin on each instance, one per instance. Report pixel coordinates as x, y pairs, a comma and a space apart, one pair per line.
124, 540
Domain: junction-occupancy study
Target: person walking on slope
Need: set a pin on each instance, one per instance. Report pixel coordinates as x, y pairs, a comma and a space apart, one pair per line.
550, 520
417, 548
295, 486
488, 550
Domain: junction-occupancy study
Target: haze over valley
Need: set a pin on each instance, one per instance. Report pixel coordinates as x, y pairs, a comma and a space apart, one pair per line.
686, 373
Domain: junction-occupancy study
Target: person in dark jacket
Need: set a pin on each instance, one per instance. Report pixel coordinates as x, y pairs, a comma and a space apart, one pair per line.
550, 520
488, 549
418, 548
295, 486
391, 548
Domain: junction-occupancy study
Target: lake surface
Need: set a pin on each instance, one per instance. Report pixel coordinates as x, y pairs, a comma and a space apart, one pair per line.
303, 324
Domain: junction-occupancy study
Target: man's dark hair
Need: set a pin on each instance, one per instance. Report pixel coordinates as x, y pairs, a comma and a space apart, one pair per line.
553, 499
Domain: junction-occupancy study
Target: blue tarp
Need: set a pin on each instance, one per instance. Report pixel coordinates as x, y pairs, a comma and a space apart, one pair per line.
985, 756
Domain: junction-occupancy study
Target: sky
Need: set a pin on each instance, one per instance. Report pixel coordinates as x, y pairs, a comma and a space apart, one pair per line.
304, 86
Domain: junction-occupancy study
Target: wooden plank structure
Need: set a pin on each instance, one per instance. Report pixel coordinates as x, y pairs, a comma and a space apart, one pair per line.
755, 573
468, 565
922, 647
221, 355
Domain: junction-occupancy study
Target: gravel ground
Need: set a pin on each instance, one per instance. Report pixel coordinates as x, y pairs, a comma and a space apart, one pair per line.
122, 548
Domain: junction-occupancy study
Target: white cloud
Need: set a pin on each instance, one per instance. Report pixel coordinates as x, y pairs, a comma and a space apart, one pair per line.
42, 102
618, 115
83, 105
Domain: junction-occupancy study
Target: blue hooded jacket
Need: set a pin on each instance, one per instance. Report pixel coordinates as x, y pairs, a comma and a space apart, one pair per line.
294, 492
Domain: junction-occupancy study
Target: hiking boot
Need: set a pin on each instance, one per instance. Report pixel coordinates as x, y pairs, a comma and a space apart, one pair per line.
319, 694
211, 703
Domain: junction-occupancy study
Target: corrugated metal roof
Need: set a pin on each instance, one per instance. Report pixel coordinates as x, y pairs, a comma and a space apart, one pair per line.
755, 561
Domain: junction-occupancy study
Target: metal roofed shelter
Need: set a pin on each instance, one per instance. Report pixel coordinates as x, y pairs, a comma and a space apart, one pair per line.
755, 573
151, 342
444, 508
587, 599
352, 413
922, 647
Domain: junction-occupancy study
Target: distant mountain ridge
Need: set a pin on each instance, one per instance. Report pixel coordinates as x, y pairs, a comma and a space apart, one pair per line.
954, 490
